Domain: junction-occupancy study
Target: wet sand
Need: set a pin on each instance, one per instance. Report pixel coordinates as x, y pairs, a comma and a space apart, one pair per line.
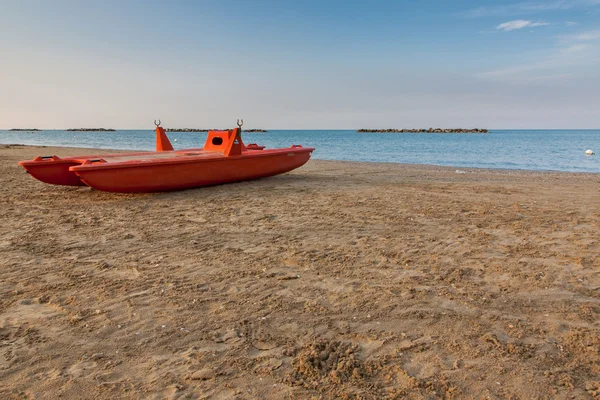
338, 280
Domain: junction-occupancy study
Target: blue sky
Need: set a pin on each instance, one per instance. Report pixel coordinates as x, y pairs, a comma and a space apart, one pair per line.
300, 64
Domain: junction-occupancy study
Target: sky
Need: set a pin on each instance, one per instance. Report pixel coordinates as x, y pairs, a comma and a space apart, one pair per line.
300, 64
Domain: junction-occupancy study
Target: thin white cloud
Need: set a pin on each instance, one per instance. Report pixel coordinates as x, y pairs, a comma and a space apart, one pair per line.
571, 55
587, 36
519, 24
571, 23
574, 48
528, 7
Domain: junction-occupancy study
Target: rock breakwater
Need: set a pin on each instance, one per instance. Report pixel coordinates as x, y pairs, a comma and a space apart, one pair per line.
189, 130
430, 130
90, 130
206, 130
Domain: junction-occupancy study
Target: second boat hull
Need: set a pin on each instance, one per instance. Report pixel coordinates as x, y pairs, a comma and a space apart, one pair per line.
53, 170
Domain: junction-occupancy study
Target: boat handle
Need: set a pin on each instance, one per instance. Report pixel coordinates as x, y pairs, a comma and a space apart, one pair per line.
93, 160
294, 146
42, 158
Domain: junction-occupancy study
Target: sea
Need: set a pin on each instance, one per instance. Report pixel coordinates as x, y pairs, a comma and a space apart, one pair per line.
538, 150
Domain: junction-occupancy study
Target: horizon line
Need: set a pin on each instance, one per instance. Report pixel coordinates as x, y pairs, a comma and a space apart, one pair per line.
290, 129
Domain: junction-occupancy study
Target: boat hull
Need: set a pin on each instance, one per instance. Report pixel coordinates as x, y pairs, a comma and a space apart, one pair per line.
189, 172
54, 171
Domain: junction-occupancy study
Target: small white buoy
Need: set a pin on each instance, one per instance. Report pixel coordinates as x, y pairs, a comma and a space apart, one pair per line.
175, 140
589, 152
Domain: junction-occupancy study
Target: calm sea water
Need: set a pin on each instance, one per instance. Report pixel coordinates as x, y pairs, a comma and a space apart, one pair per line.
553, 150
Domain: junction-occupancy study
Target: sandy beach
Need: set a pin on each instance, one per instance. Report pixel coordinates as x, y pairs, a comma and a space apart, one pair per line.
338, 280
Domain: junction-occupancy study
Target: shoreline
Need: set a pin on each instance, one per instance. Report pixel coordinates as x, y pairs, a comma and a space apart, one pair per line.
446, 167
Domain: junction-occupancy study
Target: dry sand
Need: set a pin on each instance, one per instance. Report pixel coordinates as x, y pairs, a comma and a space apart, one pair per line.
339, 280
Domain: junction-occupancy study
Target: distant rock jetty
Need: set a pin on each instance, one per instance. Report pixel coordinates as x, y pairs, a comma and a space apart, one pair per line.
22, 130
206, 130
430, 130
189, 130
90, 130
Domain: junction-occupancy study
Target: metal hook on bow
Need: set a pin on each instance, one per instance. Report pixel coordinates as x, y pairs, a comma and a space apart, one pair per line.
156, 123
240, 122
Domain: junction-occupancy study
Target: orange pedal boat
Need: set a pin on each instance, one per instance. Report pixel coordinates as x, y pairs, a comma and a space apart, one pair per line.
223, 159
